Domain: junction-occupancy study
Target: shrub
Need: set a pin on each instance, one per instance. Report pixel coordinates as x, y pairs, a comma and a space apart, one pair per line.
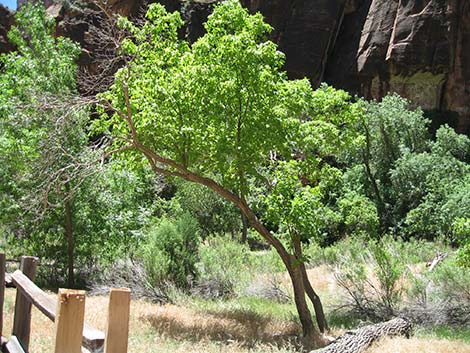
360, 214
451, 283
215, 215
169, 252
371, 276
229, 268
442, 296
462, 231
127, 273
223, 267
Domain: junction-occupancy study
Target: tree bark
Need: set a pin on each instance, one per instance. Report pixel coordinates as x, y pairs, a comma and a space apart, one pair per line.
311, 337
70, 242
316, 301
314, 298
244, 229
358, 340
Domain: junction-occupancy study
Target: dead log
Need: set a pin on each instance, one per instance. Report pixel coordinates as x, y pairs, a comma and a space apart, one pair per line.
358, 340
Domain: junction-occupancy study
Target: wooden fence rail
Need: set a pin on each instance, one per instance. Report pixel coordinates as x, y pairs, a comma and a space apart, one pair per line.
71, 332
22, 318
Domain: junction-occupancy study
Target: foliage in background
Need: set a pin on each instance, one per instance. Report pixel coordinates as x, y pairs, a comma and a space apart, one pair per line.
215, 215
57, 202
169, 252
419, 184
462, 231
389, 128
42, 136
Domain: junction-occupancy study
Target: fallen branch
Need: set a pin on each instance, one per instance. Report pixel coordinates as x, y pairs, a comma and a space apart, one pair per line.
358, 340
439, 257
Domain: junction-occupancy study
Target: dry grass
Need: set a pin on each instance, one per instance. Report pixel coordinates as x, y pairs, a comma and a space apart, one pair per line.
244, 327
172, 329
322, 279
418, 345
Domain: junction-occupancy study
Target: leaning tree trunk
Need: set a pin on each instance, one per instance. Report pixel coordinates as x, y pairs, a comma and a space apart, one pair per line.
315, 299
358, 340
311, 336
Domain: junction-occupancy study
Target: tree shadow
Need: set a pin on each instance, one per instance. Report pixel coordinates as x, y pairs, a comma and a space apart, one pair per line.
245, 327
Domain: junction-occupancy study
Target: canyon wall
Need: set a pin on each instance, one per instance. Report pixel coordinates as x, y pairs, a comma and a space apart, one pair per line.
6, 20
417, 48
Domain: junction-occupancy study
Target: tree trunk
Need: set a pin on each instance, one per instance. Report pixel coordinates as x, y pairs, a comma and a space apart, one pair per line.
366, 160
70, 243
244, 228
358, 340
311, 337
314, 298
316, 301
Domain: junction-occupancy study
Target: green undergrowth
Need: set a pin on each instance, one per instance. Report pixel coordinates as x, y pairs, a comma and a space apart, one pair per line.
250, 305
445, 332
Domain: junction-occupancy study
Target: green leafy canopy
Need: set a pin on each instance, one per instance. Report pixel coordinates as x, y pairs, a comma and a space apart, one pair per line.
222, 108
219, 105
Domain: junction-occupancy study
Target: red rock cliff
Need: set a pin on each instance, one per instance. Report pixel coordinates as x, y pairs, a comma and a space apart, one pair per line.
418, 48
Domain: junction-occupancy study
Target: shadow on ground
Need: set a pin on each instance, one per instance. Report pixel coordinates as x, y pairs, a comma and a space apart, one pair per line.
245, 327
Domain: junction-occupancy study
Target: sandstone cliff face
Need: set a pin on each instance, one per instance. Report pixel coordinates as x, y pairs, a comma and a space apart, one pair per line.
6, 20
418, 48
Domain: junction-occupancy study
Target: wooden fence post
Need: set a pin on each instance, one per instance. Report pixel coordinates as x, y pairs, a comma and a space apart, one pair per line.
22, 318
117, 331
2, 289
69, 321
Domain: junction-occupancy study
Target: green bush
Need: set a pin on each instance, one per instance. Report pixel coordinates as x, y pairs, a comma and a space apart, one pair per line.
389, 268
415, 251
228, 268
371, 276
225, 263
215, 215
451, 283
266, 261
462, 231
359, 213
440, 296
332, 255
169, 252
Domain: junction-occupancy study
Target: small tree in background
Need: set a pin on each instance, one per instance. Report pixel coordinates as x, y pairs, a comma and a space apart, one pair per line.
43, 137
59, 200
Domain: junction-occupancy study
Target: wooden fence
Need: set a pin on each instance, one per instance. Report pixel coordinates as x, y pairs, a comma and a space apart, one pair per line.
71, 332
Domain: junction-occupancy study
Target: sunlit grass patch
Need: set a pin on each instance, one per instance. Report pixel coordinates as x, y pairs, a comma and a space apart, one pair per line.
446, 332
257, 306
